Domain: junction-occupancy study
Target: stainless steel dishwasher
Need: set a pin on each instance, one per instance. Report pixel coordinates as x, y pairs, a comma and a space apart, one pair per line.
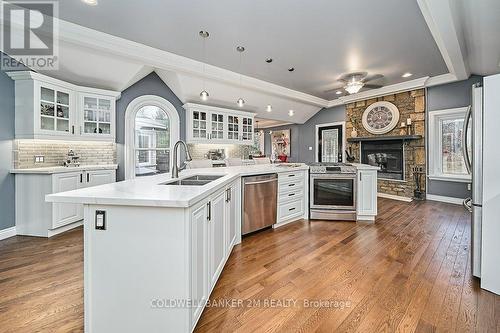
259, 202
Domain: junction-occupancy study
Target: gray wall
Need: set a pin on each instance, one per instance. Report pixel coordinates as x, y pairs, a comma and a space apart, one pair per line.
7, 188
452, 95
150, 85
303, 136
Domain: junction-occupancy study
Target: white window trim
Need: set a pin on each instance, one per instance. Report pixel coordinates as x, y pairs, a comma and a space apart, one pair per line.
130, 113
435, 145
318, 126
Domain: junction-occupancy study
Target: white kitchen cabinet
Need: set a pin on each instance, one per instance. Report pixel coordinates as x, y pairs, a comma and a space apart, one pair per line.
216, 224
36, 217
99, 177
212, 222
47, 108
208, 124
66, 213
366, 195
199, 259
232, 217
292, 196
97, 116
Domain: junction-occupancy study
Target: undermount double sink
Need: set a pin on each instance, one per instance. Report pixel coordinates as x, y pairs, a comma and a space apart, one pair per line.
198, 180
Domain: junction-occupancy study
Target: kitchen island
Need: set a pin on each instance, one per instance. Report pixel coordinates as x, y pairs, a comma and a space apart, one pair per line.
153, 251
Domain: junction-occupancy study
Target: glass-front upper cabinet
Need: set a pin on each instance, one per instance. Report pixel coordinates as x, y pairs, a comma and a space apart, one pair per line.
233, 127
51, 109
216, 126
210, 124
55, 110
98, 115
199, 125
247, 129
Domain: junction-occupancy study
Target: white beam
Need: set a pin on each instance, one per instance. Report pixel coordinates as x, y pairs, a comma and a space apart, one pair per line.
447, 32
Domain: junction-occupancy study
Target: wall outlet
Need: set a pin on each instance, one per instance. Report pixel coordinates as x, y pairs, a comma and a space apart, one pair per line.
310, 148
469, 186
39, 158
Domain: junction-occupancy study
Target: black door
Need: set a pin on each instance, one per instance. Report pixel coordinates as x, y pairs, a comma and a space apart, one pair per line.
330, 145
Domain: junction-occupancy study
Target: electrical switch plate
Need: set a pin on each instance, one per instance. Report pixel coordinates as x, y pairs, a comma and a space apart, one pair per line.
100, 220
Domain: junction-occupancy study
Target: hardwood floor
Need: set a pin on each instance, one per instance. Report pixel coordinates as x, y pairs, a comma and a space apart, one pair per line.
410, 272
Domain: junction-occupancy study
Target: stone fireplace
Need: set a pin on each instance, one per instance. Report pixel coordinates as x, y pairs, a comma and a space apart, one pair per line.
395, 153
387, 155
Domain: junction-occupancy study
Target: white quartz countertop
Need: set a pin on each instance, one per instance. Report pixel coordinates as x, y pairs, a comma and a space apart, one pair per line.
149, 191
62, 169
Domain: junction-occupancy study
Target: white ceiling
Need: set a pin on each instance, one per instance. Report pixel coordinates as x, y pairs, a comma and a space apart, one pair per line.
322, 39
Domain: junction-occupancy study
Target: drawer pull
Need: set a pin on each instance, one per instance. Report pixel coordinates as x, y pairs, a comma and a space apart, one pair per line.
291, 185
291, 194
290, 209
291, 175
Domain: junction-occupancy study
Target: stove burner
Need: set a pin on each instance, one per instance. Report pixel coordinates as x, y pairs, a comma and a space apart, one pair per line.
330, 167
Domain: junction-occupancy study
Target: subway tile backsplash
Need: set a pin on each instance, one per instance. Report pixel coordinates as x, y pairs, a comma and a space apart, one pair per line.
198, 151
54, 152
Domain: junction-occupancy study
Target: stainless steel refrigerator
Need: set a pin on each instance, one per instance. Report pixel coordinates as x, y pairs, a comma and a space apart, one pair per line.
482, 155
473, 153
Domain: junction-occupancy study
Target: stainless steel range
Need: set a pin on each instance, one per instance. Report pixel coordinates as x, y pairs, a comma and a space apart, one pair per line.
332, 191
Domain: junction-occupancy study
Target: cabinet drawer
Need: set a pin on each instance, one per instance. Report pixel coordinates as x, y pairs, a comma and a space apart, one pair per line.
289, 186
286, 177
292, 208
290, 195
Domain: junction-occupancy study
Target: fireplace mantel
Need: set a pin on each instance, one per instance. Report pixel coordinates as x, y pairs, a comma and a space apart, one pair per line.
385, 138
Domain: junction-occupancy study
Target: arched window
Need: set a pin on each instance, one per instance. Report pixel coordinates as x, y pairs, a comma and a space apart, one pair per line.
151, 130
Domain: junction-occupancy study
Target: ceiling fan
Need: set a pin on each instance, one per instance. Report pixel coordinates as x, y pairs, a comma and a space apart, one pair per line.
353, 82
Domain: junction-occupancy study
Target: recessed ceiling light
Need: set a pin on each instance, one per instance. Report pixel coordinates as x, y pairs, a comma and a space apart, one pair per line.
269, 108
291, 113
406, 75
291, 69
90, 2
269, 60
338, 92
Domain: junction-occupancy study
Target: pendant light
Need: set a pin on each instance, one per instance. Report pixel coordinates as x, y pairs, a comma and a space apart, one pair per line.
269, 107
204, 94
240, 101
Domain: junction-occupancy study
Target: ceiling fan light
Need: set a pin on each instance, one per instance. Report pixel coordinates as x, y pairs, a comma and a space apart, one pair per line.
240, 102
204, 95
353, 87
269, 108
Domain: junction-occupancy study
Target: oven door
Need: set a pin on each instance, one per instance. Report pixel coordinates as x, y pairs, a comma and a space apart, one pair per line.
333, 191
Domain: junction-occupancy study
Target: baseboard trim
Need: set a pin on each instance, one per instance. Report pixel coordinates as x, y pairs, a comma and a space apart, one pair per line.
7, 233
441, 198
394, 197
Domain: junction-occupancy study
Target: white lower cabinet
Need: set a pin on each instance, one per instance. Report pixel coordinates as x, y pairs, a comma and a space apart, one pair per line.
213, 235
66, 213
199, 260
366, 209
292, 196
36, 217
216, 244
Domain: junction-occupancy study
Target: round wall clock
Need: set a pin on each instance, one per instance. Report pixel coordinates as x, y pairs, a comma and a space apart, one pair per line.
380, 117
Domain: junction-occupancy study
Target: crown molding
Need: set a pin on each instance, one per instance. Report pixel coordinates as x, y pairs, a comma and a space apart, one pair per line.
387, 90
31, 75
441, 79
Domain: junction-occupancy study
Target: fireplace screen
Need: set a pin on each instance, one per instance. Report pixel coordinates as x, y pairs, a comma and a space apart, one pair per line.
389, 157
